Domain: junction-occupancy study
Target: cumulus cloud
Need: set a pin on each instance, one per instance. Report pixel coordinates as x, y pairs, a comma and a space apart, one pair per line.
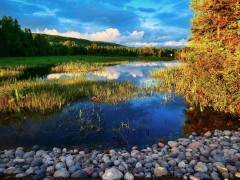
134, 36
180, 43
109, 35
144, 44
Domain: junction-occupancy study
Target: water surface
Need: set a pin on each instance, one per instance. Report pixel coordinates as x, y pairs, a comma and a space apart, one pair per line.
142, 120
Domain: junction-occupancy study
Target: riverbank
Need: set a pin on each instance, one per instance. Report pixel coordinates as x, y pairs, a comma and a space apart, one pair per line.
213, 155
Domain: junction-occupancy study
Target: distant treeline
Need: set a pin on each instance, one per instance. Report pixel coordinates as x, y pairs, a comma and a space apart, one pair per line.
17, 42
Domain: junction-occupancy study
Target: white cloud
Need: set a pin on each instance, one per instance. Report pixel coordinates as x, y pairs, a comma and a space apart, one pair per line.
109, 35
134, 36
182, 42
144, 44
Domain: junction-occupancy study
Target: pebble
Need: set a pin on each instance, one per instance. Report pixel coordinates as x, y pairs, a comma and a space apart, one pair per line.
61, 174
172, 143
112, 174
128, 176
79, 174
200, 167
160, 171
213, 155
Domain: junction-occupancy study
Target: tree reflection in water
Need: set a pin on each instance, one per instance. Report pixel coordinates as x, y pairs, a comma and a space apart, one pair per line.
208, 120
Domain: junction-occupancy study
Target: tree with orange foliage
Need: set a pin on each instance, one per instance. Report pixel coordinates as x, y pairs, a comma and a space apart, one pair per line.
214, 58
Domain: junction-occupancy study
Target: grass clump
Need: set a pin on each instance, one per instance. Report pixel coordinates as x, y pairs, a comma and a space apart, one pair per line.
46, 96
212, 90
77, 67
7, 72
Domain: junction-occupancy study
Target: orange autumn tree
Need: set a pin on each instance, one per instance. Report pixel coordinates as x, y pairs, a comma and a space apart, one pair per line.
214, 61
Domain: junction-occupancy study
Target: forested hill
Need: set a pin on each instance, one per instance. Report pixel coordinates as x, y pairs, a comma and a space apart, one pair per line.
84, 42
17, 42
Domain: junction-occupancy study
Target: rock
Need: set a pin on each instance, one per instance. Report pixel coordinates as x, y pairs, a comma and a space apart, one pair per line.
112, 152
160, 171
89, 170
204, 153
19, 153
155, 156
40, 152
138, 165
227, 133
40, 171
20, 175
9, 170
218, 157
9, 152
232, 169
195, 145
79, 174
237, 175
112, 174
74, 168
50, 170
161, 145
202, 176
172, 163
57, 150
128, 176
126, 155
48, 178
19, 160
134, 152
207, 134
172, 144
191, 177
36, 162
106, 159
235, 139
61, 174
30, 171
221, 169
200, 167
116, 163
60, 165
1, 170
215, 176
182, 164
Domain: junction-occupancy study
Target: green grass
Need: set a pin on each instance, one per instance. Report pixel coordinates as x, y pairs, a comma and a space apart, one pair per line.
46, 96
46, 60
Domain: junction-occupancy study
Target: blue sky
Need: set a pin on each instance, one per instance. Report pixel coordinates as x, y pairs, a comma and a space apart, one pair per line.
129, 22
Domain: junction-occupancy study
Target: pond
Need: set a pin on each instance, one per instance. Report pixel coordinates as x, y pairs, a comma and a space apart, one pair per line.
141, 121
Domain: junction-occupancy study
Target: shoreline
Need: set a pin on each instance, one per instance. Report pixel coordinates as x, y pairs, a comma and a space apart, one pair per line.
213, 155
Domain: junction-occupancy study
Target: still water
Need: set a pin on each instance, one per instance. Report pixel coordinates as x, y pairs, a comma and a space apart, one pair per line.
141, 121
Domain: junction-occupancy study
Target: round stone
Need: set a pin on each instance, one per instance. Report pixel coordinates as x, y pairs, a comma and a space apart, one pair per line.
172, 144
61, 174
128, 176
182, 164
112, 174
200, 167
160, 171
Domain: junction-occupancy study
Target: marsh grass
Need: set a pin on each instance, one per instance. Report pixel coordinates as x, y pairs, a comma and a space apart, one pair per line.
210, 91
83, 66
46, 96
77, 67
8, 72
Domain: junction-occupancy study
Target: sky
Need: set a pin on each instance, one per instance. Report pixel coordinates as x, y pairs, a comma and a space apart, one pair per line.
135, 23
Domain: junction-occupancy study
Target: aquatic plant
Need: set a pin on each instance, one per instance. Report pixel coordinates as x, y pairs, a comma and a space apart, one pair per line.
9, 72
46, 96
